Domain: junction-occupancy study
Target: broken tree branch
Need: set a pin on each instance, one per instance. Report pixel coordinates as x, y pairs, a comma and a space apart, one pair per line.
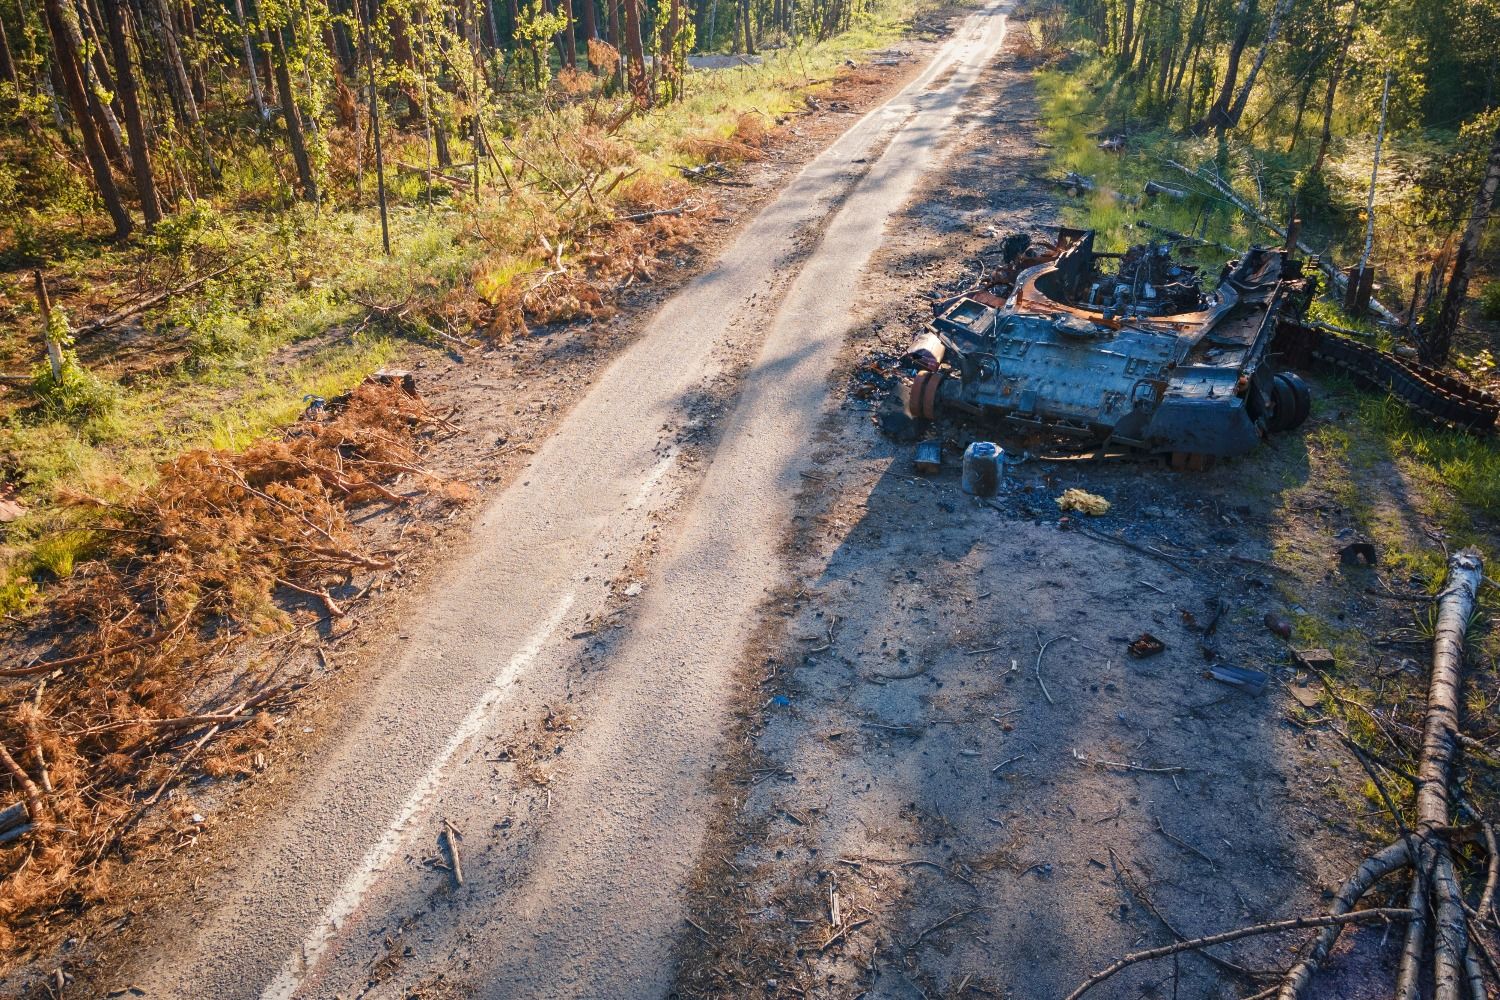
28, 787
1296, 923
1338, 279
121, 315
450, 834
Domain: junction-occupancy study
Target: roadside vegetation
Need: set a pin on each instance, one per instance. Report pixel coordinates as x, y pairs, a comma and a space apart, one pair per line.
207, 246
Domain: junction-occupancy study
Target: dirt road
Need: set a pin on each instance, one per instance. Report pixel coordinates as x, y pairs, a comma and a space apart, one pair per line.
563, 700
952, 779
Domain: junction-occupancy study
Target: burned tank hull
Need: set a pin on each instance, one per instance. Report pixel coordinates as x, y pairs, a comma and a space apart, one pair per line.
1067, 347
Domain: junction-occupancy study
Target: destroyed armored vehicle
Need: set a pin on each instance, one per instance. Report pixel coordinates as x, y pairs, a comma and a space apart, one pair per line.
1066, 348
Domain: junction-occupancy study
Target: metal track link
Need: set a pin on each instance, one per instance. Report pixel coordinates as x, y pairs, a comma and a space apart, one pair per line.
1434, 394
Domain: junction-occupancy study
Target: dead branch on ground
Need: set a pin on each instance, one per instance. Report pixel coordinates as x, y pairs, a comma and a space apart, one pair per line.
1435, 900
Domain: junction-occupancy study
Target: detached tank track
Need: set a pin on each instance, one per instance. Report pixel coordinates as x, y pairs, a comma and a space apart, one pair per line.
1434, 394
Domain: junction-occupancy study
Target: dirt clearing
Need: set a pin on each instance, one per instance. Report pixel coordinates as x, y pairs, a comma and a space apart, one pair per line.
957, 780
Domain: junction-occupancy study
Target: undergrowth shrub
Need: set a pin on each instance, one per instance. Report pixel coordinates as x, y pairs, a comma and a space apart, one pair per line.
1489, 301
68, 389
139, 625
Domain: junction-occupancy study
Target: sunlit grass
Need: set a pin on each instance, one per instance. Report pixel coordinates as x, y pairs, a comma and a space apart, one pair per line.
242, 354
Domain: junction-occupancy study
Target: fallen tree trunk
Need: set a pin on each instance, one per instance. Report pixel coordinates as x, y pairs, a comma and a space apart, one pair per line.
1435, 889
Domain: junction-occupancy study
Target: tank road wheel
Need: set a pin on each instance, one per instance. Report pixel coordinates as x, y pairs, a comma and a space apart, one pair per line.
1291, 401
1283, 404
921, 400
1304, 397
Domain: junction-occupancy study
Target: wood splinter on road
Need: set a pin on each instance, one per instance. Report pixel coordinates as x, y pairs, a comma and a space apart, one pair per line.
451, 834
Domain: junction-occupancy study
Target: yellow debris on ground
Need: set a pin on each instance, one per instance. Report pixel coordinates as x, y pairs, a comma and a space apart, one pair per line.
1084, 502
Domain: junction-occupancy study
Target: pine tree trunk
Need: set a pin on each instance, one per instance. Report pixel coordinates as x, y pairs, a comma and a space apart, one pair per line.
249, 49
107, 126
666, 55
66, 61
1333, 86
8, 61
1440, 343
590, 22
140, 157
569, 37
1218, 112
635, 54
96, 33
291, 117
612, 21
369, 58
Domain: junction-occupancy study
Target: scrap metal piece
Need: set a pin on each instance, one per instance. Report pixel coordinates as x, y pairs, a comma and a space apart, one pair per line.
928, 459
1253, 681
1145, 645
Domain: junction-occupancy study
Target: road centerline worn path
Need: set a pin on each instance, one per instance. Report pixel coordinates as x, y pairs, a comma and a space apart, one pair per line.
598, 905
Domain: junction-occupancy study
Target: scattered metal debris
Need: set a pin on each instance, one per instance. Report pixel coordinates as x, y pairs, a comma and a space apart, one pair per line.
928, 459
1278, 625
1145, 645
1315, 659
984, 463
1253, 681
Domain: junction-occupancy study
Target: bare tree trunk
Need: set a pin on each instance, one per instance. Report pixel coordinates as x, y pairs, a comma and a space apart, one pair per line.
98, 71
489, 7
140, 157
612, 19
1190, 50
590, 22
635, 53
1272, 31
369, 57
291, 117
666, 54
1218, 112
1333, 86
1438, 345
255, 91
1302, 99
8, 62
569, 37
178, 85
104, 118
1439, 742
49, 342
67, 64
